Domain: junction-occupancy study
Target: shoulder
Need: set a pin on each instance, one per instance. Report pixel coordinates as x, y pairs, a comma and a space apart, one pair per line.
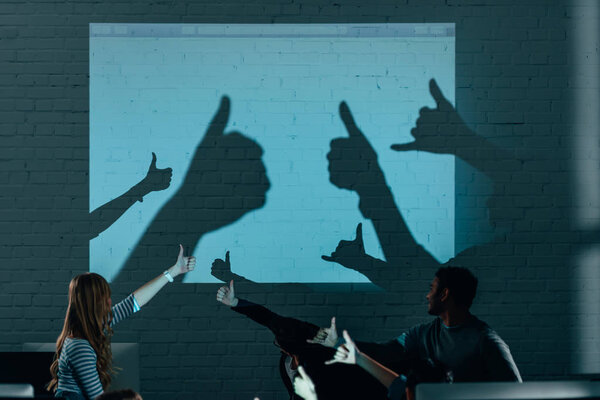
488, 336
79, 347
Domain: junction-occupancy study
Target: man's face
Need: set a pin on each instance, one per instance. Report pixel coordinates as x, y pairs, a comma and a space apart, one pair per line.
435, 306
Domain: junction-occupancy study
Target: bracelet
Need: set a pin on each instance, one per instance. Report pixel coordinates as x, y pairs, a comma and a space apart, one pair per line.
167, 275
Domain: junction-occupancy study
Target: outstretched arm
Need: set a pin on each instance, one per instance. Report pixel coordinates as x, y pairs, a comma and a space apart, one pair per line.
348, 353
282, 327
106, 215
183, 264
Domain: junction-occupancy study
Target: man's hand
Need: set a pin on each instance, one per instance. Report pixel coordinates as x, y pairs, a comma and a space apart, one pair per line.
156, 179
352, 161
349, 253
346, 353
221, 269
440, 130
183, 264
304, 386
226, 295
326, 336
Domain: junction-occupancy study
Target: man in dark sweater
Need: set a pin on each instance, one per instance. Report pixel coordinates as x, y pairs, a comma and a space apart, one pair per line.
465, 348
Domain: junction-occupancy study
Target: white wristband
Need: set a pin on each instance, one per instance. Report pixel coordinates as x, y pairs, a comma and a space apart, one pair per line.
168, 276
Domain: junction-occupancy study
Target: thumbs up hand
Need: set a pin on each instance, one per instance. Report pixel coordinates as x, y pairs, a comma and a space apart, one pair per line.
221, 269
183, 264
352, 161
156, 179
346, 353
349, 253
226, 295
438, 130
326, 336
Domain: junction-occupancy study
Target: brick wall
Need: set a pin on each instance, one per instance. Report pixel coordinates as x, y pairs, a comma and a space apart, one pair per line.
513, 89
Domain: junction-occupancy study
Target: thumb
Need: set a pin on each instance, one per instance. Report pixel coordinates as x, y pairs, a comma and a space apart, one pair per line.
219, 121
348, 120
180, 251
227, 257
333, 323
303, 373
153, 162
436, 92
405, 146
231, 286
359, 232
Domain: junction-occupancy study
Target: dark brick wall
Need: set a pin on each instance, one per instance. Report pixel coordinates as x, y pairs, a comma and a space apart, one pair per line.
513, 88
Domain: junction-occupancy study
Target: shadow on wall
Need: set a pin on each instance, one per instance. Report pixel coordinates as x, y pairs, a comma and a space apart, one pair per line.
206, 202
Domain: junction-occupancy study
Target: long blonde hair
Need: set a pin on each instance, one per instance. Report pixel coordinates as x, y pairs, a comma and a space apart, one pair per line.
88, 317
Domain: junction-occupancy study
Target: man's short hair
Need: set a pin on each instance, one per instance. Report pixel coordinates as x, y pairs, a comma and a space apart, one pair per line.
124, 394
460, 282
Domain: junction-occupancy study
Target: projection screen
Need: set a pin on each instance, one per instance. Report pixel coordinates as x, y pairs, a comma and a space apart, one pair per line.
154, 88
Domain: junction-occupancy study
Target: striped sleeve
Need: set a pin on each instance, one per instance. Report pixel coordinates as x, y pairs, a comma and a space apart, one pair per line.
83, 363
124, 309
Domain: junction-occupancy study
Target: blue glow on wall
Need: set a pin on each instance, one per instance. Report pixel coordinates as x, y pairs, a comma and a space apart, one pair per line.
155, 88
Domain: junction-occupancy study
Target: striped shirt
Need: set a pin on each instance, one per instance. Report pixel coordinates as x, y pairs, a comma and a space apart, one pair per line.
77, 370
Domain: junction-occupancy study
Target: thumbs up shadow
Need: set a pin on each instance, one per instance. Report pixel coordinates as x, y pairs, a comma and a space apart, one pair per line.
104, 216
225, 180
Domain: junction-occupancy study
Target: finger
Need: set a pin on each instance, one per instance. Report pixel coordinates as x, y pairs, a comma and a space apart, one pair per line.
347, 338
303, 373
333, 324
219, 121
332, 361
348, 120
436, 92
227, 257
180, 251
231, 285
153, 162
405, 146
313, 341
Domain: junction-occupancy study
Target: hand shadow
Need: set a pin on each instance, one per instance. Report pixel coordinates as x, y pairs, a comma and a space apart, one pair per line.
353, 166
226, 179
107, 214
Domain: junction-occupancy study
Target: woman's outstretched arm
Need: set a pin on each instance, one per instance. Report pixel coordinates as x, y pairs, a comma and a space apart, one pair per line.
183, 264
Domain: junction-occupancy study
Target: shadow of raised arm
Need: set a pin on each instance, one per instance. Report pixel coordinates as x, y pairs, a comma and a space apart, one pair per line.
353, 165
107, 214
216, 191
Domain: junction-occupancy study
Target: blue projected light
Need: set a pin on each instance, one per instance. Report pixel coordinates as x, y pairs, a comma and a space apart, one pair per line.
155, 88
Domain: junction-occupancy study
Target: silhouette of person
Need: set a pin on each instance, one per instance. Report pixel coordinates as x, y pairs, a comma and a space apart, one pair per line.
107, 214
225, 180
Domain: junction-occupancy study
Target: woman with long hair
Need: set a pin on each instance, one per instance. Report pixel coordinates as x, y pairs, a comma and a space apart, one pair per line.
82, 365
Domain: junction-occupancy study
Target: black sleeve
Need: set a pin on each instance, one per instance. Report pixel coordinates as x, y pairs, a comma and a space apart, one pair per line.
285, 329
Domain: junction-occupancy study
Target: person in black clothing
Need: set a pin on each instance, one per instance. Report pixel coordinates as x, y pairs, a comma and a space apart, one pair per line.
293, 337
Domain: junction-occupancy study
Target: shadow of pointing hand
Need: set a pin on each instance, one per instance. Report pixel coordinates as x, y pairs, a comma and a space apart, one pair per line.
439, 130
349, 253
